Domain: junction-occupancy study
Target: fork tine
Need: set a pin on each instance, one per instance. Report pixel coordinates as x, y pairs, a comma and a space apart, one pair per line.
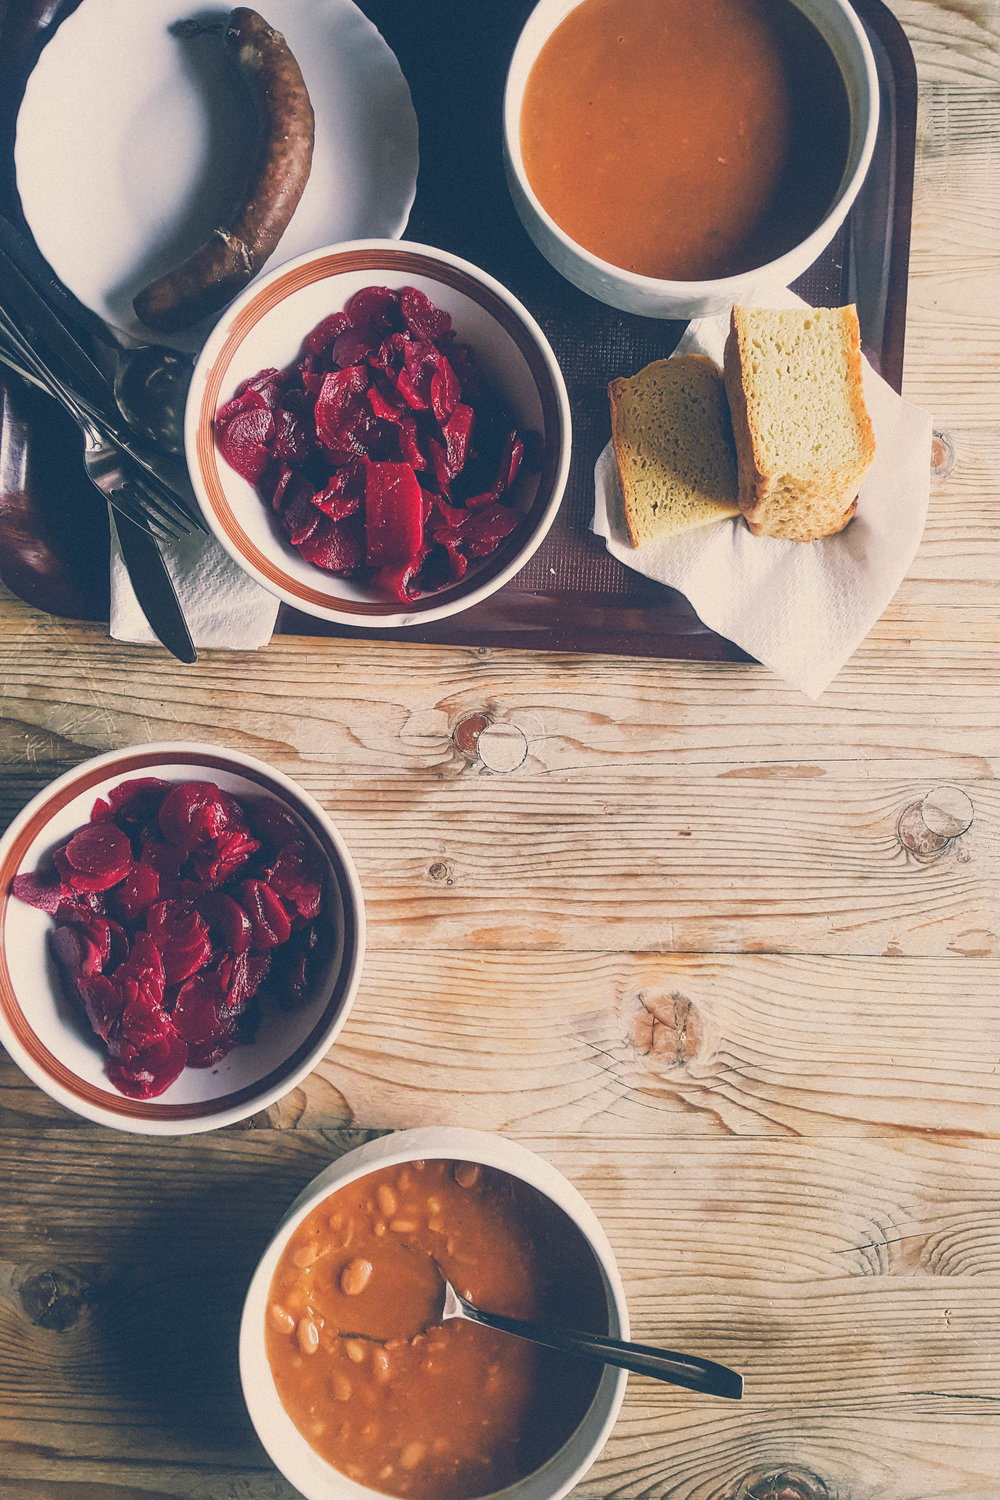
168, 527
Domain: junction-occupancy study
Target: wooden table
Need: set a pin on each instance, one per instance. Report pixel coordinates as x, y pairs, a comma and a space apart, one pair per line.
653, 919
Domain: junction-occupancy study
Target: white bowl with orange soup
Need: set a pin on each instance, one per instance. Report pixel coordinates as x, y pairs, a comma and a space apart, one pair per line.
671, 158
450, 1412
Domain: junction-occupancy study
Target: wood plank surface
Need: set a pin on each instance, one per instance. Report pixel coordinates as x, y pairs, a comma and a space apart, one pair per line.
652, 919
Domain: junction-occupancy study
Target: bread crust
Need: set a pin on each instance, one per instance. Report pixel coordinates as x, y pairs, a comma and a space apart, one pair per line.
821, 505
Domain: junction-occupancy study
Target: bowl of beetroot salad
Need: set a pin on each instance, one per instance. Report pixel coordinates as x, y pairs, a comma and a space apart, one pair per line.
379, 433
181, 937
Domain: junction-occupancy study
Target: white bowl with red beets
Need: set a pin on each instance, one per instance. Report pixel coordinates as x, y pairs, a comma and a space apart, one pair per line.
44, 1029
266, 327
301, 1465
650, 296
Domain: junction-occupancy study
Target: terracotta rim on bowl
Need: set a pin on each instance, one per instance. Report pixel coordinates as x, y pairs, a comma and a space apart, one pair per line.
109, 1100
376, 260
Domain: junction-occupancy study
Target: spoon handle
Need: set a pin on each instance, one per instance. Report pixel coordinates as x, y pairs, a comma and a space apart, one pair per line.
678, 1369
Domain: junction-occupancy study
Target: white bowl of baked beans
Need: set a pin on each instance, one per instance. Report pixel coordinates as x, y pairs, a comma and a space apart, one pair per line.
355, 1389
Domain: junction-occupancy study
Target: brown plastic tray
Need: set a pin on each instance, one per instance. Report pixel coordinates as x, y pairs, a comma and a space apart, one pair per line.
572, 595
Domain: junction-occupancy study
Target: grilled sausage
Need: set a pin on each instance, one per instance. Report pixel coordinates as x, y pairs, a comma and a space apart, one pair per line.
234, 253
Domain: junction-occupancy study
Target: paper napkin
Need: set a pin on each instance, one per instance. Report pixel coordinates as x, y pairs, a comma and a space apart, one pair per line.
223, 606
801, 608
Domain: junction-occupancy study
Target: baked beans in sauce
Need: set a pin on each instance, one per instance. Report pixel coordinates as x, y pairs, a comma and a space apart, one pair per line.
406, 1406
685, 139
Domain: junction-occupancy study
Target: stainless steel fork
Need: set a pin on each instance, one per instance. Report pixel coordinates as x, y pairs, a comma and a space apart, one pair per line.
150, 501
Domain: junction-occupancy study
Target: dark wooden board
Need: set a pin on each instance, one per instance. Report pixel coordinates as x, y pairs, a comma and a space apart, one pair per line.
572, 595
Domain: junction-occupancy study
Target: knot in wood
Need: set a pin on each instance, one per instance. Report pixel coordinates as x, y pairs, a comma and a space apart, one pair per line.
942, 455
52, 1299
667, 1028
498, 746
785, 1484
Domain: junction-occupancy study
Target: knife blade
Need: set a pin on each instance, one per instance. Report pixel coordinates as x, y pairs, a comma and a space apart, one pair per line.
153, 587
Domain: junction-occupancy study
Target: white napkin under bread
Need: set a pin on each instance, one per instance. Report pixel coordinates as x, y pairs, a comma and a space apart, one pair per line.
800, 608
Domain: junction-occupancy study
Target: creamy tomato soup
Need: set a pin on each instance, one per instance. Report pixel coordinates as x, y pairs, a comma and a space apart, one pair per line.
394, 1400
685, 139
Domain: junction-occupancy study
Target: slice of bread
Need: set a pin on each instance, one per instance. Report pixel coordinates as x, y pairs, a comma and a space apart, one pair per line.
803, 435
670, 430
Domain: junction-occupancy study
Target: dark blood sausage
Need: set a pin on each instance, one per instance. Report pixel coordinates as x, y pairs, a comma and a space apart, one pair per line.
234, 253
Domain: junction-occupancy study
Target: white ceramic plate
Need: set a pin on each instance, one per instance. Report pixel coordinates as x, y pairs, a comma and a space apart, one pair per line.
129, 139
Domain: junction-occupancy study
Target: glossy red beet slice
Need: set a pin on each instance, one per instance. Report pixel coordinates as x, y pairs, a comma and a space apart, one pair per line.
269, 919
194, 813
151, 1071
245, 442
423, 320
84, 880
298, 876
394, 514
181, 936
336, 546
196, 1011
78, 953
136, 893
145, 965
103, 1001
227, 919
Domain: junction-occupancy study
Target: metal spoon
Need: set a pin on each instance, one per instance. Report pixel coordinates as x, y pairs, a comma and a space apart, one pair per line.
149, 381
150, 384
677, 1369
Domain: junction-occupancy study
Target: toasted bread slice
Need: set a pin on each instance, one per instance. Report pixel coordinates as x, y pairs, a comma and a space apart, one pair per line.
803, 435
670, 430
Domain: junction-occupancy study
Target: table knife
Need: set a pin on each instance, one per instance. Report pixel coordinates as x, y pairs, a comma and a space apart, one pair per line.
153, 587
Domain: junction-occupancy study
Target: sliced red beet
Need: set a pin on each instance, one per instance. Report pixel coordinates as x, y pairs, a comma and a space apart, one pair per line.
340, 400
394, 516
485, 529
42, 891
145, 965
240, 977
82, 882
136, 893
297, 875
152, 1071
342, 496
268, 917
196, 1010
445, 391
299, 516
103, 1001
324, 335
336, 546
78, 953
245, 440
184, 937
423, 320
194, 813
181, 936
224, 858
99, 849
227, 919
273, 823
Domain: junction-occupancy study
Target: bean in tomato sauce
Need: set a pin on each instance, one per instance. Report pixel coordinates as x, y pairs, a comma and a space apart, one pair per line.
397, 1401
